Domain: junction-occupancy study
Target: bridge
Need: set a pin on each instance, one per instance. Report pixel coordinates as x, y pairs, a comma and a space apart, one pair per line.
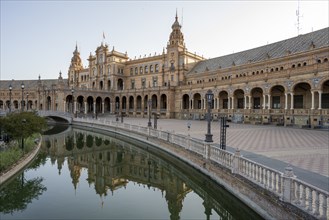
58, 116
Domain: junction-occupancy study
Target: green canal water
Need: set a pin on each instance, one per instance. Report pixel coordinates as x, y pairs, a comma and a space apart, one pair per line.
82, 174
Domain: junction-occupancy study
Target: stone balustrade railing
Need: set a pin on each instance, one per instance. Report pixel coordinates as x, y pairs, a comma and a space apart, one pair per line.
284, 185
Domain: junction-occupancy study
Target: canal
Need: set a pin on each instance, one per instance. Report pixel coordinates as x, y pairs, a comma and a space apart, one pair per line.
81, 174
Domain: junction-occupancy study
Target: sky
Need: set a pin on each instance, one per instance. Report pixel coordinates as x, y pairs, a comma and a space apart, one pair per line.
39, 37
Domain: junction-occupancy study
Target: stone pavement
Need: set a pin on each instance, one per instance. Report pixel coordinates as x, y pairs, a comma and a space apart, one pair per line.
303, 148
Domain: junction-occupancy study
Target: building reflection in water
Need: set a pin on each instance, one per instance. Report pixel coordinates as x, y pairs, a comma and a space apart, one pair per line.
112, 163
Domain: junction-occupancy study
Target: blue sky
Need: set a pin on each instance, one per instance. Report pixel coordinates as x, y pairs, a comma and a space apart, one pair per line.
39, 37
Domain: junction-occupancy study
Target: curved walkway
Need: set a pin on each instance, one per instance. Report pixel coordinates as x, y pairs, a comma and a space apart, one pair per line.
24, 161
304, 148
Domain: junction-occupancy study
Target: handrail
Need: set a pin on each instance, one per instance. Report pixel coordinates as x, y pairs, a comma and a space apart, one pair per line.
285, 185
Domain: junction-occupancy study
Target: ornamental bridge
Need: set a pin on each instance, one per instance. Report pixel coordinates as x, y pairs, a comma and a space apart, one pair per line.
58, 116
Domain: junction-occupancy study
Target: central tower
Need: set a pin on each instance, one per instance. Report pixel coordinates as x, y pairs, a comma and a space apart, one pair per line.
175, 55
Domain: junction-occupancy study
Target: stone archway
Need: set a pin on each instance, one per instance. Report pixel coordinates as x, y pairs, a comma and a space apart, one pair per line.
302, 96
197, 101
185, 101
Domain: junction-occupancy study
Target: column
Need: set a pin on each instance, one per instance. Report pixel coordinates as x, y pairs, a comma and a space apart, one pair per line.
217, 107
135, 106
264, 103
269, 101
86, 108
245, 102
103, 105
64, 108
291, 100
320, 99
74, 106
94, 107
229, 103
312, 92
232, 102
192, 104
249, 102
285, 101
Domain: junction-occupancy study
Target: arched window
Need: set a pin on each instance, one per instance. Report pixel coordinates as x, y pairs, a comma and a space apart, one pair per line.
157, 68
141, 70
146, 69
151, 68
131, 71
136, 71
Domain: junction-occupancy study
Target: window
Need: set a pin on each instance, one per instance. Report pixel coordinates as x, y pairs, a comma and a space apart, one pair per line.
141, 70
172, 77
325, 100
146, 69
132, 84
131, 71
155, 81
136, 71
256, 103
151, 68
276, 102
240, 103
156, 68
143, 82
225, 103
298, 101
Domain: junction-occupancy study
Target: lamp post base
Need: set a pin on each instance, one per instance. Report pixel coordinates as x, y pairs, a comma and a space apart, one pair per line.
208, 138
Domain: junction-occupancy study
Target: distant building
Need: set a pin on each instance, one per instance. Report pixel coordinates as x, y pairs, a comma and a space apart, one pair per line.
286, 82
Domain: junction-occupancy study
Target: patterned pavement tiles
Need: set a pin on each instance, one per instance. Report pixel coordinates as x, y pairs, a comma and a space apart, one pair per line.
304, 148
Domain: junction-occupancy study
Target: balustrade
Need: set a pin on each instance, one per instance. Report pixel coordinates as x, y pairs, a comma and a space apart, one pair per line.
303, 195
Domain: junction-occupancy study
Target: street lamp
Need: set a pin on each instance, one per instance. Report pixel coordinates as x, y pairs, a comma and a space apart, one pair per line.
149, 124
72, 91
209, 98
22, 86
10, 88
23, 125
121, 116
27, 101
223, 127
117, 110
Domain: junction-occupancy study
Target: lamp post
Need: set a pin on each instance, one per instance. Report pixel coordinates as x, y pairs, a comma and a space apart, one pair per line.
10, 88
27, 101
209, 98
223, 127
149, 124
117, 111
22, 104
72, 91
23, 125
121, 116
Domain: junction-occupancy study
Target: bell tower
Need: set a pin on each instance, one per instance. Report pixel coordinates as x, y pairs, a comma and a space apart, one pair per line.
176, 38
75, 68
175, 55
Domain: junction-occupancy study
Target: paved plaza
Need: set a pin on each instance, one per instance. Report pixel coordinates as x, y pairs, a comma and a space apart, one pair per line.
304, 148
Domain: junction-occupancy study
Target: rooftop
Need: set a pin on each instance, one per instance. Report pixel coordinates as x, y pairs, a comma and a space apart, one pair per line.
301, 43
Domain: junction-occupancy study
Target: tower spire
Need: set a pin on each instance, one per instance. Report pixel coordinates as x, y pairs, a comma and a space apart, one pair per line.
176, 17
76, 46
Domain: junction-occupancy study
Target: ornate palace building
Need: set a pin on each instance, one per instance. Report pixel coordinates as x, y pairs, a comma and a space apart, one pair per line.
286, 83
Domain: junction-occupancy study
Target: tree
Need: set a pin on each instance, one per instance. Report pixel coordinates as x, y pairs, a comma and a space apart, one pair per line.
17, 194
23, 125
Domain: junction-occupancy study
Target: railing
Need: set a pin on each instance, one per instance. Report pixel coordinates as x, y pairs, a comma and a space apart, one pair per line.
284, 185
310, 198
